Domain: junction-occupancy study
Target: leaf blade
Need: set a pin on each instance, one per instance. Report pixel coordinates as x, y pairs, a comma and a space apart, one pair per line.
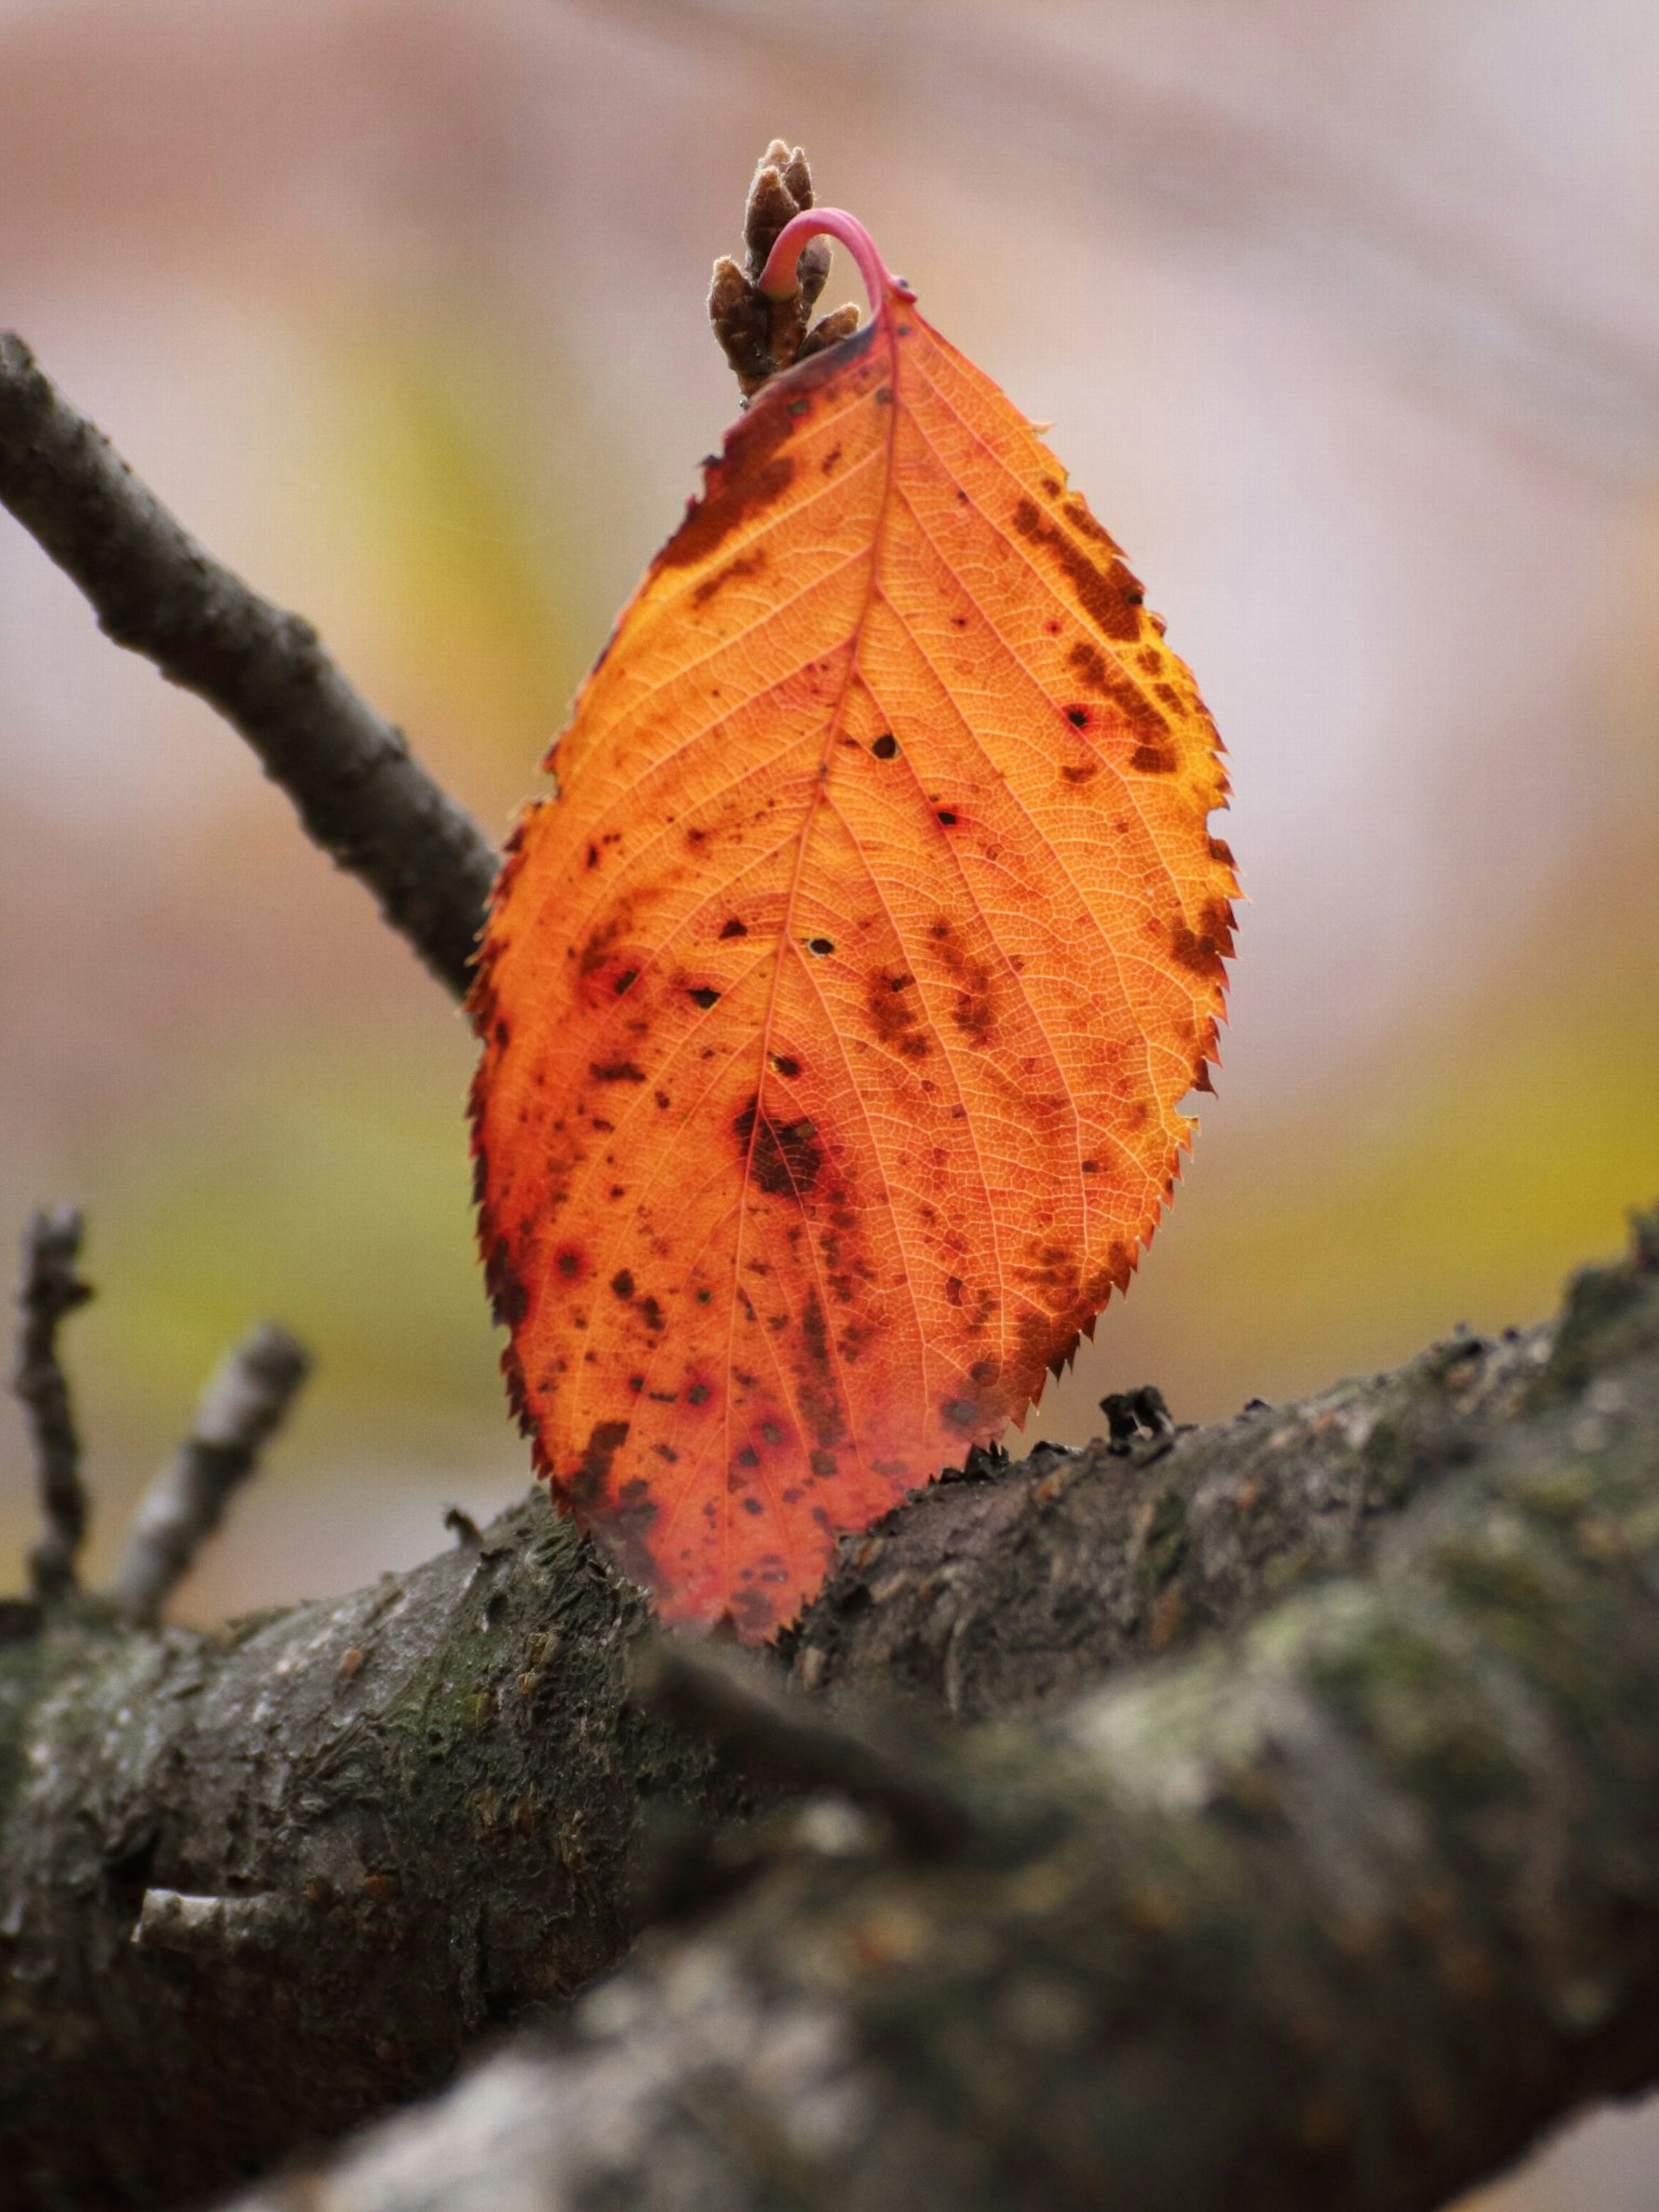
837, 1014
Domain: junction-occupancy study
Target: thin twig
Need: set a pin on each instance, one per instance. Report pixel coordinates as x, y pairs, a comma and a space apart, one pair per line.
241, 1407
51, 1289
360, 793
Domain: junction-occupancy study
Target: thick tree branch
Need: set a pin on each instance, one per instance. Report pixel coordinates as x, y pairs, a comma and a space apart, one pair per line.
1340, 1910
360, 793
256, 1885
51, 1289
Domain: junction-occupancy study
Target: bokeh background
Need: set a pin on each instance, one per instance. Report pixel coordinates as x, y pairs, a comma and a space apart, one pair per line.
1348, 320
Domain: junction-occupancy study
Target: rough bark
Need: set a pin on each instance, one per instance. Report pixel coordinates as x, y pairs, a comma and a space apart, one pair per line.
1339, 1909
360, 793
256, 1885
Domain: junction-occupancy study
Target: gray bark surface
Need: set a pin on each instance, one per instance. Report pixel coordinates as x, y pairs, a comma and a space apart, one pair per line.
1340, 1909
258, 1885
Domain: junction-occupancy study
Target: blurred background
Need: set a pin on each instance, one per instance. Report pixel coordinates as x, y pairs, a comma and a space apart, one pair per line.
1347, 322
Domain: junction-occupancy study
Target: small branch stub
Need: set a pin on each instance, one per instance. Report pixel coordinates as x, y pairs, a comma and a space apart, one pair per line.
51, 1289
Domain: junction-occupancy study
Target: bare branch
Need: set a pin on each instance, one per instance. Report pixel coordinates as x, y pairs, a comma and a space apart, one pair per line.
444, 1782
241, 1408
51, 1289
1341, 1911
360, 793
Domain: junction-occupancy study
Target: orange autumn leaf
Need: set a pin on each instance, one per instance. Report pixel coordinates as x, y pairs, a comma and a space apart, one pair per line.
838, 1011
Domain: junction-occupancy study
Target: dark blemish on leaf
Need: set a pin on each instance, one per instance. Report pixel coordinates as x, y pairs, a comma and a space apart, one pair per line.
636, 1383
961, 1413
823, 1463
626, 981
829, 460
885, 745
1145, 724
1110, 597
1222, 851
771, 1433
752, 1505
895, 1018
651, 1313
663, 1100
781, 1156
750, 476
622, 1284
884, 396
703, 997
616, 1071
1082, 772
946, 817
703, 1297
508, 1300
630, 1520
823, 946
961, 495
1153, 759
953, 1289
799, 407
1077, 717
587, 1486
668, 1452
593, 856
746, 564
1077, 513
788, 1067
697, 1394
734, 928
749, 1456
1090, 1167
569, 1263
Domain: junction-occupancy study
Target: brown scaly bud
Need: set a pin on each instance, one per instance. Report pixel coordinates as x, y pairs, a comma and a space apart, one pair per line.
743, 324
771, 205
812, 272
795, 173
829, 330
758, 335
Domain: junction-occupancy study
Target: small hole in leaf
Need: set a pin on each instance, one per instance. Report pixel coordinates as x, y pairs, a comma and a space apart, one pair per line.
703, 997
946, 817
823, 946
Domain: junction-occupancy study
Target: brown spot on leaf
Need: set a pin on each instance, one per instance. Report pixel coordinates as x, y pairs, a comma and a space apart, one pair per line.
587, 1486
781, 1156
1110, 597
746, 564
